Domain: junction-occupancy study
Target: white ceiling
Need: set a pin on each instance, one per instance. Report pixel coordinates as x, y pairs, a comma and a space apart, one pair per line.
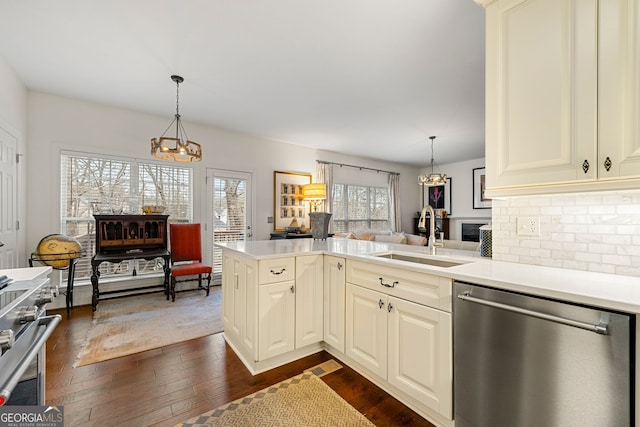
373, 78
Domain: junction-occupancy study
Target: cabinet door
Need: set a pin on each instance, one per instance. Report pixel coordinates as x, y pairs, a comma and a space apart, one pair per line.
334, 301
276, 316
618, 89
229, 278
239, 283
366, 328
309, 297
541, 92
420, 356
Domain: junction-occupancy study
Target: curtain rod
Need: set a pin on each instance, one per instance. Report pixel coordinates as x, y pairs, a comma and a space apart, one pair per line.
358, 167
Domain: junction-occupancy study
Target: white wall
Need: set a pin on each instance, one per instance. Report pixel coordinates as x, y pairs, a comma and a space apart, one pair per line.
57, 123
461, 174
13, 119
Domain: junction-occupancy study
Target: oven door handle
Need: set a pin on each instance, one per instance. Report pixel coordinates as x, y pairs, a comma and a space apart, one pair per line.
7, 386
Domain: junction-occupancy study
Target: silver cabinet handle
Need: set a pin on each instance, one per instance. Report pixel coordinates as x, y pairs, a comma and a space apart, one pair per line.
277, 272
389, 307
386, 285
380, 303
602, 328
339, 266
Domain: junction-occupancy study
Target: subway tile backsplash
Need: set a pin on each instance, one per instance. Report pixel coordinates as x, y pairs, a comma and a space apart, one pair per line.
586, 231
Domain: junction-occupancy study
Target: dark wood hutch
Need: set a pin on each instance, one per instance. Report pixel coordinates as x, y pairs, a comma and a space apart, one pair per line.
129, 237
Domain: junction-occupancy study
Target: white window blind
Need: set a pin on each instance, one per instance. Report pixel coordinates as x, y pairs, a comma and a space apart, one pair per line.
356, 207
97, 184
229, 215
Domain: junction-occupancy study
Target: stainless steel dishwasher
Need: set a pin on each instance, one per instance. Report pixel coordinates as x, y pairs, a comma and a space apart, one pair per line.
521, 360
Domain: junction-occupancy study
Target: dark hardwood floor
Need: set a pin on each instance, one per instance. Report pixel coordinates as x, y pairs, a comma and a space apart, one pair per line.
169, 385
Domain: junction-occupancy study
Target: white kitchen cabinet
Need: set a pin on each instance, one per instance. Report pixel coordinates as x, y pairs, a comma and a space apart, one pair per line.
309, 292
420, 353
618, 88
562, 96
334, 301
276, 319
290, 311
398, 326
366, 328
407, 344
239, 287
541, 92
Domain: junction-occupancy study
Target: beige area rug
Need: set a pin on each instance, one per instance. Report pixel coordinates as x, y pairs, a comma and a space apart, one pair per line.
133, 324
304, 400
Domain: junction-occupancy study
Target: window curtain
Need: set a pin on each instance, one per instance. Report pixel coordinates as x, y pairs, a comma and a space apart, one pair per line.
324, 175
395, 219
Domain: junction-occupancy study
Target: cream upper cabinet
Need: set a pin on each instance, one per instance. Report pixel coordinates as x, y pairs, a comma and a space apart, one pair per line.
541, 92
562, 90
619, 89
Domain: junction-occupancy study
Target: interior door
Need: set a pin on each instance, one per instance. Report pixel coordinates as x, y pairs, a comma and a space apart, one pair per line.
8, 200
229, 211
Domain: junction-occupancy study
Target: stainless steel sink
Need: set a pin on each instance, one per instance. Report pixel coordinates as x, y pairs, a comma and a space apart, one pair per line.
419, 259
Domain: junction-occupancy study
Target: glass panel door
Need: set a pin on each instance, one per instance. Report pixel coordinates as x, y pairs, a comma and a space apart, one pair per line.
229, 213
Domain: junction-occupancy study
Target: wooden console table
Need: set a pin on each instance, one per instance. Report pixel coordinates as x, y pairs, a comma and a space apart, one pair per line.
129, 237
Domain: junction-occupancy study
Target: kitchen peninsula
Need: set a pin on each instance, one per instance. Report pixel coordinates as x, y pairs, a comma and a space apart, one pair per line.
390, 319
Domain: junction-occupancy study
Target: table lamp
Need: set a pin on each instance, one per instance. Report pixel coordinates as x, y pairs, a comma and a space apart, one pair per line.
315, 193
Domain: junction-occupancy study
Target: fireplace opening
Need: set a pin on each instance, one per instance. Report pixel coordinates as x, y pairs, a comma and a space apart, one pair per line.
471, 231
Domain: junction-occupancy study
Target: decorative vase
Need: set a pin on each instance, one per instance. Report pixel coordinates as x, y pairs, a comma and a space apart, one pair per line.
319, 225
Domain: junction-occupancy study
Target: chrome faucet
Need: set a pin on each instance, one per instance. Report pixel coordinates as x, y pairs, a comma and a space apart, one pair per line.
431, 241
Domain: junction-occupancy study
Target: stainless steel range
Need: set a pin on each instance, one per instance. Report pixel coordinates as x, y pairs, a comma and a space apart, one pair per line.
24, 330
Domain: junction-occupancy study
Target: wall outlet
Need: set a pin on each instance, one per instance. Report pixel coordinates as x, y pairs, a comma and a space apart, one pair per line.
269, 220
528, 225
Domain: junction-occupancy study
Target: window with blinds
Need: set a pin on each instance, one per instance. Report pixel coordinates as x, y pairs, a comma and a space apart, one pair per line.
356, 207
97, 184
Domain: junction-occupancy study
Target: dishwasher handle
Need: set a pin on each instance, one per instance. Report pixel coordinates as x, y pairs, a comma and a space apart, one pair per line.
601, 328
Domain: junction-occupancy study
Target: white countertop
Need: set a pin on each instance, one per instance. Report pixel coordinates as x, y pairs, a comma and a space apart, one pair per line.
26, 274
602, 290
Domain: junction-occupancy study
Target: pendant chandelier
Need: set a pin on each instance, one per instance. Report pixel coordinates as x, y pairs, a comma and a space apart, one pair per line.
179, 148
433, 178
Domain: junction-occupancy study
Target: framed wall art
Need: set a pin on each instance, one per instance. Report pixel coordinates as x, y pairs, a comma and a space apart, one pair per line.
438, 196
480, 201
288, 203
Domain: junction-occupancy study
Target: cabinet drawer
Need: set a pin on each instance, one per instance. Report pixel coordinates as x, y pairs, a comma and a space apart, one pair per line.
422, 288
277, 270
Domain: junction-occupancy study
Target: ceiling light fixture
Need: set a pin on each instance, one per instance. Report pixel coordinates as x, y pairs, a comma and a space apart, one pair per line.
433, 178
179, 148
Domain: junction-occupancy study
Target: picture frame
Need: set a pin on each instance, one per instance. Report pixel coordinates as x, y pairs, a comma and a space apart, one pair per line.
480, 201
439, 196
288, 202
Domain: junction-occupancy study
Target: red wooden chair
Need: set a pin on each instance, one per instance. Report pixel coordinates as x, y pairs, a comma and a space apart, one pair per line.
186, 257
